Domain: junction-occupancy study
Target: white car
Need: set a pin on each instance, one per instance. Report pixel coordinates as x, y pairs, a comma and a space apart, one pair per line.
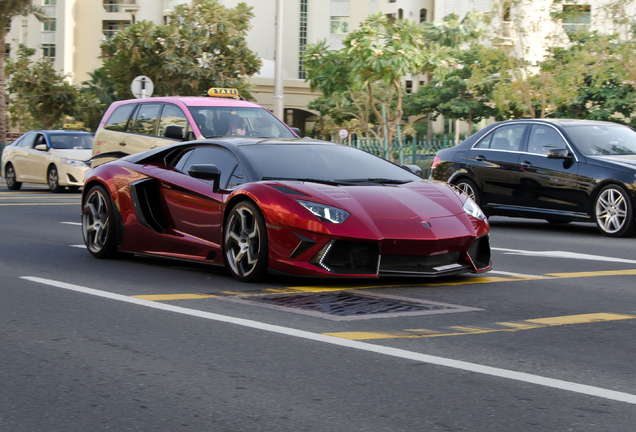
53, 157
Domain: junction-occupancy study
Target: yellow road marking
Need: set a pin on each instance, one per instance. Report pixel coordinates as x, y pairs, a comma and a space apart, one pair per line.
496, 327
166, 297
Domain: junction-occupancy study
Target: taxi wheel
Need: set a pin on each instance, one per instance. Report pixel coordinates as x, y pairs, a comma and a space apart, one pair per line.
245, 242
98, 223
53, 179
10, 178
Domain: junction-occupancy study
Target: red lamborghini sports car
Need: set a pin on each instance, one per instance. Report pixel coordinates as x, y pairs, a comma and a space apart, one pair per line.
300, 207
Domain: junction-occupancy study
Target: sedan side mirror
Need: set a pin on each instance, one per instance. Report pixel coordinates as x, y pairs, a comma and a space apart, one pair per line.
41, 147
414, 169
561, 153
174, 132
207, 172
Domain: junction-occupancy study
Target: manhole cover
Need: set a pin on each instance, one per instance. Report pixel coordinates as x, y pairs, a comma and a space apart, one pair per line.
345, 305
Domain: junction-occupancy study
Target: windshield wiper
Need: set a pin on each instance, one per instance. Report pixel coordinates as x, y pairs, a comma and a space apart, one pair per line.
311, 180
375, 180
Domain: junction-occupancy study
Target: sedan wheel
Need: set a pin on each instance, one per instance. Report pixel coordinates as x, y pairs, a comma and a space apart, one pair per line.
613, 211
98, 224
470, 189
245, 242
53, 179
10, 178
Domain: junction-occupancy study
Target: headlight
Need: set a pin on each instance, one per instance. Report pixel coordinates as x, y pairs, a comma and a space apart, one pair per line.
74, 162
473, 209
324, 212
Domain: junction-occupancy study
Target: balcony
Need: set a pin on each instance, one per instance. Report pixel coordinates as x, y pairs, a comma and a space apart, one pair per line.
116, 6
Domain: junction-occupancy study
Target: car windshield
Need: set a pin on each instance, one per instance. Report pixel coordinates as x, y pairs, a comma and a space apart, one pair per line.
234, 121
603, 139
71, 141
333, 164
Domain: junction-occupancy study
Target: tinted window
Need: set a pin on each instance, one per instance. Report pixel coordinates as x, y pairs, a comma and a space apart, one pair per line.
231, 173
119, 118
322, 162
171, 115
145, 119
504, 138
542, 139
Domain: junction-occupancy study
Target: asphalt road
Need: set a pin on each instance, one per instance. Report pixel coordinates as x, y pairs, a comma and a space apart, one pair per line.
544, 342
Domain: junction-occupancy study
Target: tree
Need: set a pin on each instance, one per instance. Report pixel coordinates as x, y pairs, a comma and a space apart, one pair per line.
202, 46
96, 95
9, 9
38, 90
375, 59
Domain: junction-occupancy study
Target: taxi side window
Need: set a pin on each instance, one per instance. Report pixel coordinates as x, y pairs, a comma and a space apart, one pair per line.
145, 120
119, 118
26, 141
171, 115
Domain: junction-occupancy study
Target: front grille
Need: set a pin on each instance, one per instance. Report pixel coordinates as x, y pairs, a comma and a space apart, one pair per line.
340, 257
419, 264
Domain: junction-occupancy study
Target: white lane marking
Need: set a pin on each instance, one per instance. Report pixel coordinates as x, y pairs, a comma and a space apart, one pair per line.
378, 349
563, 254
79, 246
72, 223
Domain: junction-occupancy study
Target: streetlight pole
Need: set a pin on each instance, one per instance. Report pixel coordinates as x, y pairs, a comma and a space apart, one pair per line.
279, 106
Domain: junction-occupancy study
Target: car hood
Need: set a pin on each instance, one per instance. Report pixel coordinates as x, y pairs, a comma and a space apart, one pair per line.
79, 154
626, 161
396, 211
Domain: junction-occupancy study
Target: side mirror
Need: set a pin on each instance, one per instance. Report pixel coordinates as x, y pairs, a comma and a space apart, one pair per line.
41, 147
207, 172
561, 153
296, 130
174, 132
414, 169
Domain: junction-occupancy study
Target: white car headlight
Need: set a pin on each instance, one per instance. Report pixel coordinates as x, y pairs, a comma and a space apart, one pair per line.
73, 162
324, 212
471, 208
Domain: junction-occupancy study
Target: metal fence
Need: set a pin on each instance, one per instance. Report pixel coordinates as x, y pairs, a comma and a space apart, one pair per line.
408, 152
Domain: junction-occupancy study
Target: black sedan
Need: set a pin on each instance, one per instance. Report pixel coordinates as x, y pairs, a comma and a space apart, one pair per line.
558, 170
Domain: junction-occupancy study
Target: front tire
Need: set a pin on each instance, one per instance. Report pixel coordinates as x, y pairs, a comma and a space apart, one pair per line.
98, 223
10, 178
245, 242
614, 212
53, 179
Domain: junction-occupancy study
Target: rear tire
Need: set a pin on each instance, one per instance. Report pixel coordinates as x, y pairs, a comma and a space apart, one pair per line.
53, 179
470, 189
10, 178
98, 223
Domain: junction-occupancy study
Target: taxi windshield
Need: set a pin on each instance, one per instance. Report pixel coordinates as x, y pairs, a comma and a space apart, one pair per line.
234, 121
71, 141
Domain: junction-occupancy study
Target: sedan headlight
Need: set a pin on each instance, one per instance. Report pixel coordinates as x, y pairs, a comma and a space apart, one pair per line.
74, 162
471, 208
324, 212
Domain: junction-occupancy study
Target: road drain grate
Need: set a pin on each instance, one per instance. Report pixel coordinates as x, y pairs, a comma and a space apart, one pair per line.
347, 305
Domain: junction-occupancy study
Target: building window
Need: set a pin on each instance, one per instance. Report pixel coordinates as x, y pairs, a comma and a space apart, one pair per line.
302, 39
49, 25
339, 25
111, 5
576, 18
423, 15
48, 51
7, 50
408, 86
49, 2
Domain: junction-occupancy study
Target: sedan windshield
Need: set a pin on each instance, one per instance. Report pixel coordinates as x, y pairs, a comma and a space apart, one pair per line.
71, 141
234, 121
603, 139
331, 164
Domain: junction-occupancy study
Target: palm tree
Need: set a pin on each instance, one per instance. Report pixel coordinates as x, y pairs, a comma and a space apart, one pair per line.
10, 9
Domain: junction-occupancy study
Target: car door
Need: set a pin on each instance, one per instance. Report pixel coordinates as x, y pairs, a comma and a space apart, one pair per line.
194, 209
39, 159
494, 163
20, 156
550, 184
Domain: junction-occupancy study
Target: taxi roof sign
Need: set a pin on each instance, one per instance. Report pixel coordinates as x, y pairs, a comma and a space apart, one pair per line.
223, 92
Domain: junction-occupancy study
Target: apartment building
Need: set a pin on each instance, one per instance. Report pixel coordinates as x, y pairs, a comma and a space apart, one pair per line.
71, 38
